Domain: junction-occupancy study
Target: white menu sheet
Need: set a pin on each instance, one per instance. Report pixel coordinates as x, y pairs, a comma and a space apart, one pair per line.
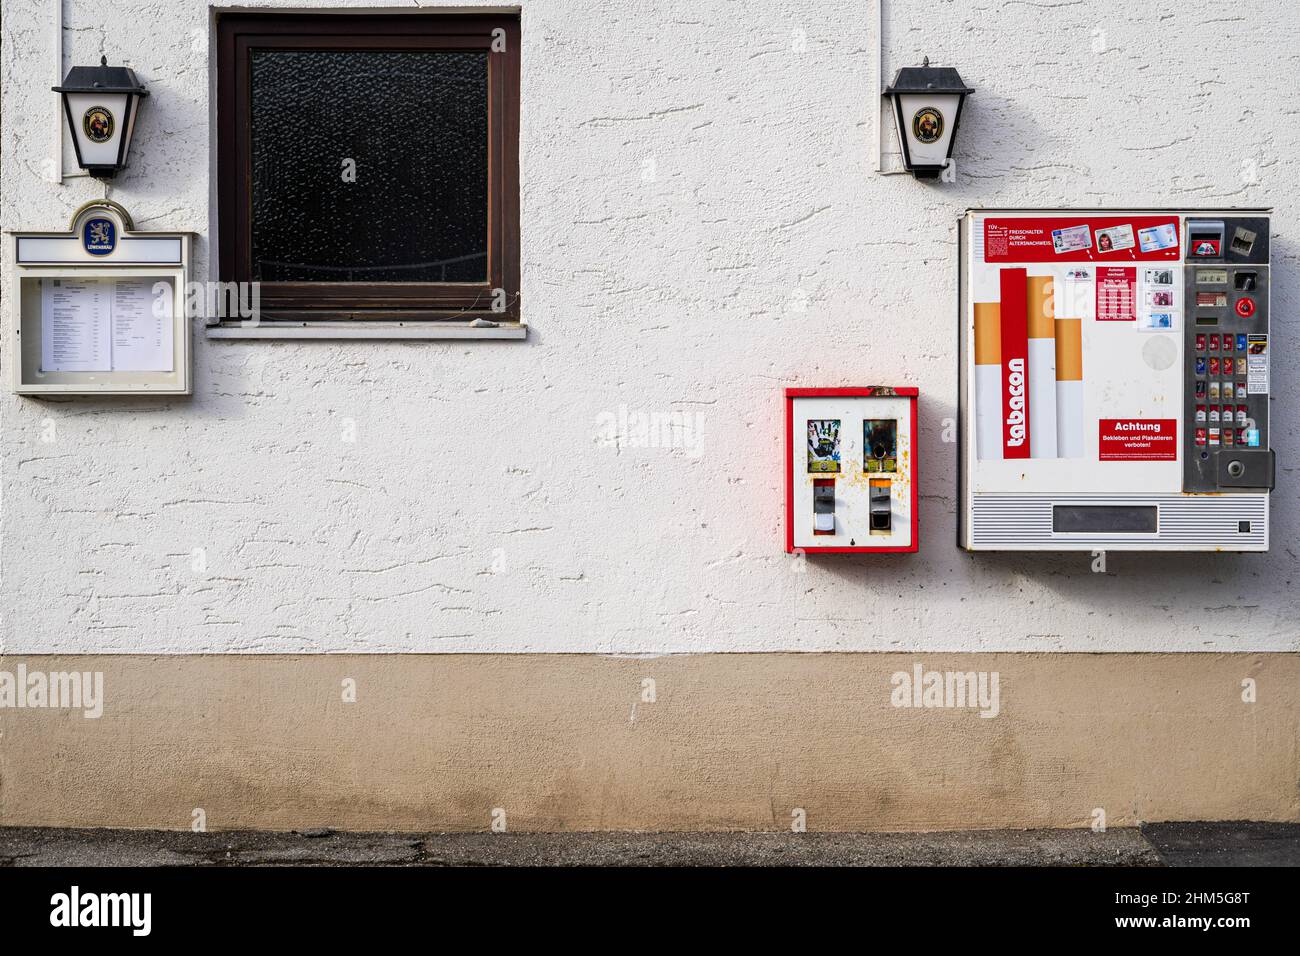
74, 326
106, 325
142, 325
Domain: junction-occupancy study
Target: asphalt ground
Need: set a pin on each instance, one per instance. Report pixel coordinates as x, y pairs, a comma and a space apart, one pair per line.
1165, 844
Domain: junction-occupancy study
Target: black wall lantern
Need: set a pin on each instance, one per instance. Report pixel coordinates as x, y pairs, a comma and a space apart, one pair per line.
927, 108
101, 103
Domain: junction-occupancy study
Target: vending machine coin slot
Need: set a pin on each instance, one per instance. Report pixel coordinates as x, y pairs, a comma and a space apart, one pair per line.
881, 512
824, 506
1243, 240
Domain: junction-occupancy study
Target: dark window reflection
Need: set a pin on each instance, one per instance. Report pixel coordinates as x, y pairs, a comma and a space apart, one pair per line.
416, 125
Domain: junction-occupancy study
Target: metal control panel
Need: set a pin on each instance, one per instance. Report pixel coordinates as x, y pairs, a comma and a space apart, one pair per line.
1226, 349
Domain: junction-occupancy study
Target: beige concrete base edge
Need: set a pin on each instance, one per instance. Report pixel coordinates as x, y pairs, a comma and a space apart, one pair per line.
703, 742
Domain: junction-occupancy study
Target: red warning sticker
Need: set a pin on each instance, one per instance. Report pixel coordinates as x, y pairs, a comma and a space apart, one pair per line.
1138, 439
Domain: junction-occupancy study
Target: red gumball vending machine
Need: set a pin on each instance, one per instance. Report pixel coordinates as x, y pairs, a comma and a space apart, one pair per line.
850, 470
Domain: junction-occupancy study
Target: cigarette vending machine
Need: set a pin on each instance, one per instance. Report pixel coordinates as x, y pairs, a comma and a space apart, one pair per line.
1114, 380
850, 469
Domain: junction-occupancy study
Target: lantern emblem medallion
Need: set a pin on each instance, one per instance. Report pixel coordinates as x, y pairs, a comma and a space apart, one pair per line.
98, 124
927, 125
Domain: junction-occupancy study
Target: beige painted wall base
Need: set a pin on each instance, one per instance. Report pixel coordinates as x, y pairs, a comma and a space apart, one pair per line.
566, 742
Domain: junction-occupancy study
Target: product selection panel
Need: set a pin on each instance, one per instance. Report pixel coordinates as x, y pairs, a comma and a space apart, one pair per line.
1226, 432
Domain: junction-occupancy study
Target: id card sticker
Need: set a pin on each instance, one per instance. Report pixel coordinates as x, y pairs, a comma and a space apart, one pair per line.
1155, 238
823, 446
1115, 239
1071, 239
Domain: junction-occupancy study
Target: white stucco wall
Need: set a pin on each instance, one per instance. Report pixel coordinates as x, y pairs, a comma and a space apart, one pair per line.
478, 508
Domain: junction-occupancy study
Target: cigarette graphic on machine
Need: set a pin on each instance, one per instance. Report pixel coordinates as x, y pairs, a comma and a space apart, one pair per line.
1069, 388
1041, 350
988, 379
1028, 372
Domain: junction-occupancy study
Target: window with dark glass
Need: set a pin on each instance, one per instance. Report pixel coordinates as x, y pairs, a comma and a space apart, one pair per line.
368, 165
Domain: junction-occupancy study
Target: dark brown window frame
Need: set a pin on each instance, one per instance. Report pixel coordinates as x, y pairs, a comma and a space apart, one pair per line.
238, 33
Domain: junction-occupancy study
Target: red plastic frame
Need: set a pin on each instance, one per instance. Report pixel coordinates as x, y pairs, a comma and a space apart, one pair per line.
860, 392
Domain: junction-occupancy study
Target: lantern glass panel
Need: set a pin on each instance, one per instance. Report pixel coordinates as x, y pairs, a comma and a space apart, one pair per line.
97, 122
927, 121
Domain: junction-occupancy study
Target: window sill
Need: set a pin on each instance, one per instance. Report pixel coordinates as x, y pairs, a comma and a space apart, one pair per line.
393, 331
